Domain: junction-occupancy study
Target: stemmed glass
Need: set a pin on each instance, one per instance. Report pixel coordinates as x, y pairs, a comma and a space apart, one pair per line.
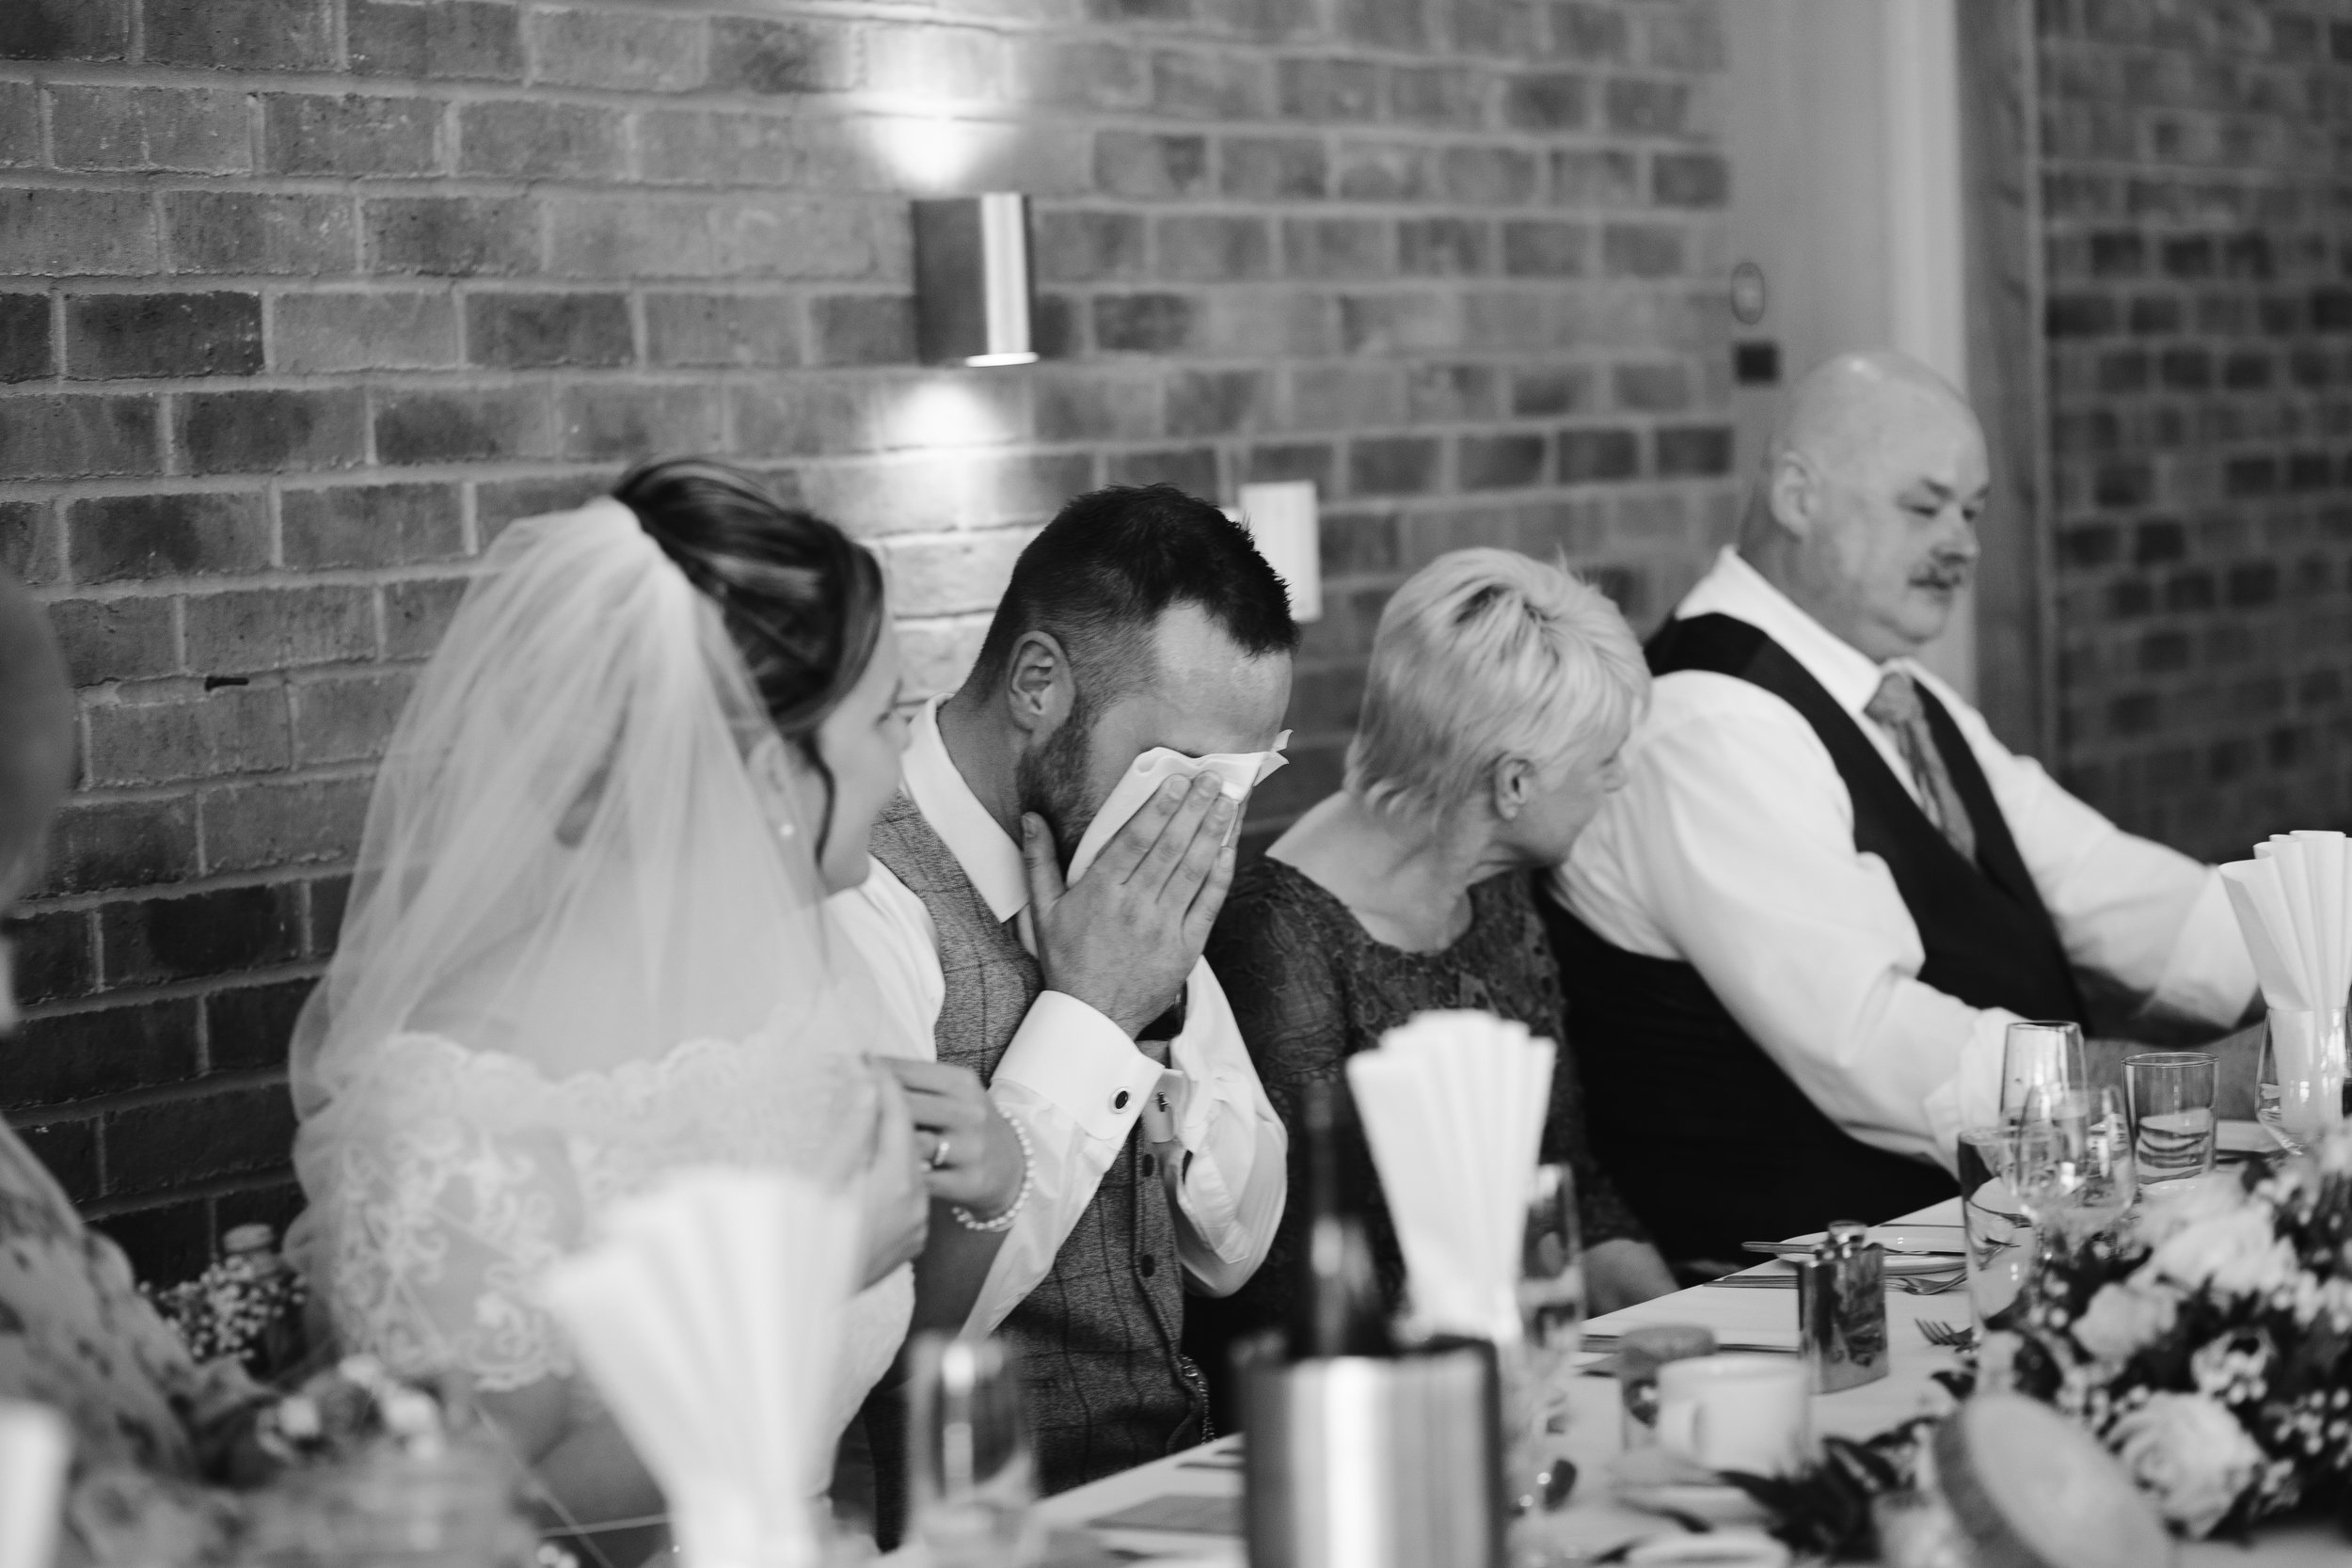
2071, 1160
2035, 1056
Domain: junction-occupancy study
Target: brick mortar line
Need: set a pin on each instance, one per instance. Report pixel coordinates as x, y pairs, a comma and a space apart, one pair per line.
101, 1210
199, 989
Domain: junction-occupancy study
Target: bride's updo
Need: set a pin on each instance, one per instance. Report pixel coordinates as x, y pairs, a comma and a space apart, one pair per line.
802, 600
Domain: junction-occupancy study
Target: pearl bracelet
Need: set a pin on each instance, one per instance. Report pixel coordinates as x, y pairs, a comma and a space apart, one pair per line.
970, 1221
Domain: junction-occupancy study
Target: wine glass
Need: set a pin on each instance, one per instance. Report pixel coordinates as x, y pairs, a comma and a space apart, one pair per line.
1551, 1322
971, 1482
2040, 1054
2070, 1163
2299, 1094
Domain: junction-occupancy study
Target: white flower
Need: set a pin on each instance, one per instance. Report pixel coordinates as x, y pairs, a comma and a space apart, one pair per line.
2121, 1319
2237, 1253
2171, 1207
2191, 1453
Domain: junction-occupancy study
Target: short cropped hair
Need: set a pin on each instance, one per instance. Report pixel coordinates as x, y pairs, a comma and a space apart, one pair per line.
1102, 573
1483, 654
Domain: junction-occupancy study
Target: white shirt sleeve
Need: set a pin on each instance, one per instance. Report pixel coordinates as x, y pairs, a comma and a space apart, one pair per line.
1731, 847
1076, 1085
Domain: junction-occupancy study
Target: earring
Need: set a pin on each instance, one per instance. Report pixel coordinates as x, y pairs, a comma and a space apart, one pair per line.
786, 831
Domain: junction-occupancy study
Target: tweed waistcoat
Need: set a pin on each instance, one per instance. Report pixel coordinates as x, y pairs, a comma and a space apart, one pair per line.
1105, 1383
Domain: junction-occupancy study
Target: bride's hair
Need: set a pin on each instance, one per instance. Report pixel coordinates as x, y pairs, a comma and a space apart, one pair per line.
800, 600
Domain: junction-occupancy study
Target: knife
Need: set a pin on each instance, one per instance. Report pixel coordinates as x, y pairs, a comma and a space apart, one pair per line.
1805, 1249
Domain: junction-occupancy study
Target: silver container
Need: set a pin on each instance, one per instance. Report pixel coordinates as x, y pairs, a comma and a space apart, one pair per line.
1841, 1309
1361, 1462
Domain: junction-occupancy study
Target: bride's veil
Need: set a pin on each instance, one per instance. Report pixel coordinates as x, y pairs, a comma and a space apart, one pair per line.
583, 857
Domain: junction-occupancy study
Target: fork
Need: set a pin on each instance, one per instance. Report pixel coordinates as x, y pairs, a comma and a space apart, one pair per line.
1943, 1335
1919, 1285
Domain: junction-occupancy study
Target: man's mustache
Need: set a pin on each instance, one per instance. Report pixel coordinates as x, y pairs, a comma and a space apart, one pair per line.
1944, 574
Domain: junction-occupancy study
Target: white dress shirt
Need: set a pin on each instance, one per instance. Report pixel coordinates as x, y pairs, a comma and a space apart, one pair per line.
1731, 848
1071, 1077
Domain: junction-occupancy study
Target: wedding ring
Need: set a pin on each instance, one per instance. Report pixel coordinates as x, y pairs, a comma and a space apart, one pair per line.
939, 1153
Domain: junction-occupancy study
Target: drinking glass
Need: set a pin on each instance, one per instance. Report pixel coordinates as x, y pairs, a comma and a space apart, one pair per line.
2300, 1093
1551, 1324
2070, 1161
2000, 1236
970, 1480
2040, 1054
2173, 1127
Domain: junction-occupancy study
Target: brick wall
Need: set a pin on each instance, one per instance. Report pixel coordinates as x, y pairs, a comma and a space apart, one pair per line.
2200, 338
300, 300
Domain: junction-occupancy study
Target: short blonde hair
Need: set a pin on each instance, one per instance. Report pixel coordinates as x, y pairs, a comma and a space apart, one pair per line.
1483, 654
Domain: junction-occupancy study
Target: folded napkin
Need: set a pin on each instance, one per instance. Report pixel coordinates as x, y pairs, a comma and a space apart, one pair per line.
710, 1319
1238, 772
2294, 903
1453, 1104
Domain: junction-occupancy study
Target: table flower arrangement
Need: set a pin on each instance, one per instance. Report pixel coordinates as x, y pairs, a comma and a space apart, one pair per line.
2209, 1342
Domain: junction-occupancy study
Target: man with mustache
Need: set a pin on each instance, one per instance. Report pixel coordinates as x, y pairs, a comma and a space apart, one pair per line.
1794, 941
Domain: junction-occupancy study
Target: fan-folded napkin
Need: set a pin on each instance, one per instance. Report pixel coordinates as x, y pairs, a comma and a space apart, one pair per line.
2294, 903
1452, 1105
710, 1318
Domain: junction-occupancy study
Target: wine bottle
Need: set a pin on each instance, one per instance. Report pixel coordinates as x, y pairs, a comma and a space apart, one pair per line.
1335, 1305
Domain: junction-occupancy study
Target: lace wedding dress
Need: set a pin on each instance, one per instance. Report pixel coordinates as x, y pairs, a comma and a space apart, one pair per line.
463, 1174
586, 949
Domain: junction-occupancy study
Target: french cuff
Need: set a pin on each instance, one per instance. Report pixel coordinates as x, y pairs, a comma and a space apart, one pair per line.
1070, 1055
2209, 974
1972, 1096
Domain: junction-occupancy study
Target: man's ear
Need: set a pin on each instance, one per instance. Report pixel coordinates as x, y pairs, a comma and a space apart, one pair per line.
1795, 493
1513, 786
1040, 687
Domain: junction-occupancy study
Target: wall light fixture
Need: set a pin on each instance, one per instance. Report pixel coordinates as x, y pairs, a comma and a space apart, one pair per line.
972, 288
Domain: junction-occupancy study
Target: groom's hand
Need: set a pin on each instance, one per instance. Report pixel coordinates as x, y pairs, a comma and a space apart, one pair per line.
1123, 937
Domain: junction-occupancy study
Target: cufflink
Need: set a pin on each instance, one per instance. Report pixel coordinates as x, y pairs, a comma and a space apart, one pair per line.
1119, 1101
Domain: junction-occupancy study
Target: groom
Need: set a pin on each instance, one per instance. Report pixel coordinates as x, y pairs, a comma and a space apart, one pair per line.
1139, 618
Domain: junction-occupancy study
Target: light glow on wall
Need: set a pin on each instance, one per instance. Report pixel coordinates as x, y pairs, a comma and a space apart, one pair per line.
946, 412
931, 153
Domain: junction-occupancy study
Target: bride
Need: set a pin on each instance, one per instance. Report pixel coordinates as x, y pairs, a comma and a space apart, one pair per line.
586, 945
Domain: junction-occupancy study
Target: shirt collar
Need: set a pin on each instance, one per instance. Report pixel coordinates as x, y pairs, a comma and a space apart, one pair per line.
990, 860
1736, 589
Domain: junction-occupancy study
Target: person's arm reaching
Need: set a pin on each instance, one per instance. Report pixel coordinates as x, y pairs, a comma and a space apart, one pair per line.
2143, 913
1734, 838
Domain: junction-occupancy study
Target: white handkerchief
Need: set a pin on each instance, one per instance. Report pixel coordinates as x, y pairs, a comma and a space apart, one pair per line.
1239, 772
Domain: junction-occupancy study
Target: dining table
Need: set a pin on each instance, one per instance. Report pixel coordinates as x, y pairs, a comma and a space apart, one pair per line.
1184, 1510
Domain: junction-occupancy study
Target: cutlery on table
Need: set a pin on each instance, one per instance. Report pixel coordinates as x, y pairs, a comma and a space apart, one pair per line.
1943, 1335
1805, 1249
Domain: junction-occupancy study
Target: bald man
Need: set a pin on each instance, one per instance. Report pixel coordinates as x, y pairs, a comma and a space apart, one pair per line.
1794, 940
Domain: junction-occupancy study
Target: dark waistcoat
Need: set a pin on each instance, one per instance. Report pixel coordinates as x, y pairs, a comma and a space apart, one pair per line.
1105, 1383
1707, 1138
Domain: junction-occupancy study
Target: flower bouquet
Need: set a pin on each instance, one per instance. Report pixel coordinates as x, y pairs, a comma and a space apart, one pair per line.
2209, 1342
378, 1470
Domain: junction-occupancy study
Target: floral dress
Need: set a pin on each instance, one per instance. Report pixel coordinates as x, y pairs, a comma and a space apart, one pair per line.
76, 1336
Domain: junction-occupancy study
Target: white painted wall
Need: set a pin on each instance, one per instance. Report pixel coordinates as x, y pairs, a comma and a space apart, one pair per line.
1844, 121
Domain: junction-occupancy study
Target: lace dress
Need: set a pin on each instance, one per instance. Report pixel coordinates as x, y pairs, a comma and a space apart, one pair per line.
1310, 987
458, 1176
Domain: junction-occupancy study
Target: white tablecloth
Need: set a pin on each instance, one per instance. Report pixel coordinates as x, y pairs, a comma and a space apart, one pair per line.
1200, 1492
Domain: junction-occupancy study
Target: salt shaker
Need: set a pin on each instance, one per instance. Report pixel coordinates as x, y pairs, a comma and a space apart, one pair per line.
1841, 1309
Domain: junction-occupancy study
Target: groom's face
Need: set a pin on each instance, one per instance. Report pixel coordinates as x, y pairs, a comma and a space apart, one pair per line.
1198, 694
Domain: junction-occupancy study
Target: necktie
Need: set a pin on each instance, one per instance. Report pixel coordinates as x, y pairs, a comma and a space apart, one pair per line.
1895, 709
